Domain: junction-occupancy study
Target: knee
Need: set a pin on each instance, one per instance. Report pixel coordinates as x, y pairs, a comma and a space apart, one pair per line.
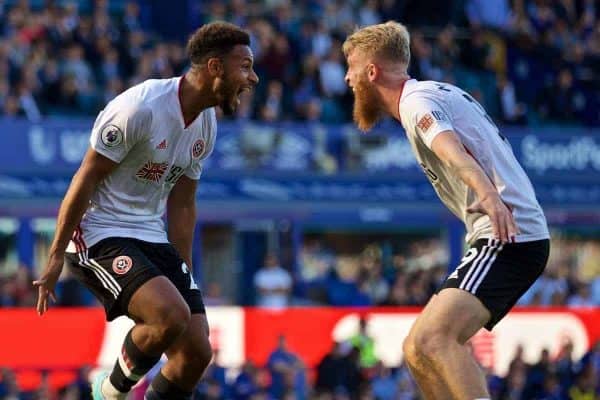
199, 359
172, 321
426, 346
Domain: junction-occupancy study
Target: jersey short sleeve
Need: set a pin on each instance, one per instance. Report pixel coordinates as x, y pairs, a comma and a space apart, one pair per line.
119, 127
194, 171
426, 118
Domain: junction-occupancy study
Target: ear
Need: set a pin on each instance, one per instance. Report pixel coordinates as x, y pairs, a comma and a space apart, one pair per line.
372, 72
215, 66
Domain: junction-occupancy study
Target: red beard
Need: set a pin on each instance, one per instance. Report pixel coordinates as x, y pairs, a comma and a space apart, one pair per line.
367, 106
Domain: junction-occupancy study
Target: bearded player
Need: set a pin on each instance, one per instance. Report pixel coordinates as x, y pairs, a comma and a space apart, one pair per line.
474, 172
147, 149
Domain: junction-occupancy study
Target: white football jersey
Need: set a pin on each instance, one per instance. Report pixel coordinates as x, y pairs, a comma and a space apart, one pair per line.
143, 130
428, 108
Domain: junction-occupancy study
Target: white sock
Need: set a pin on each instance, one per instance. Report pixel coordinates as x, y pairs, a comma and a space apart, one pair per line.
110, 392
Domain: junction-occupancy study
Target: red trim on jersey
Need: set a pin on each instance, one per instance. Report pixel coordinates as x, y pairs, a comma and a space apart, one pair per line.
80, 245
185, 124
75, 241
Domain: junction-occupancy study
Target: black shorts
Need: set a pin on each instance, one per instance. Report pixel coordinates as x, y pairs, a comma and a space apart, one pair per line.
498, 274
114, 268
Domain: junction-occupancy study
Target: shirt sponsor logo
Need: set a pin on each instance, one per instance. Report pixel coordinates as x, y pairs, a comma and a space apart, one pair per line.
198, 148
111, 136
425, 123
122, 264
152, 171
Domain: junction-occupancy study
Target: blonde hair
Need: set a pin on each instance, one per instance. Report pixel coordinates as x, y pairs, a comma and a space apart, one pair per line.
389, 41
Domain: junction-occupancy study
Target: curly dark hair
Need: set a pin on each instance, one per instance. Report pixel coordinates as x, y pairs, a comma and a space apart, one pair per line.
215, 40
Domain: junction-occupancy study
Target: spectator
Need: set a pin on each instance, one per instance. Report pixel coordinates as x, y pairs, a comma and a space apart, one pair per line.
375, 284
368, 13
272, 109
537, 373
246, 383
564, 364
365, 345
513, 112
97, 50
582, 297
284, 366
213, 296
477, 53
7, 293
551, 389
584, 387
489, 13
214, 382
9, 390
327, 373
273, 284
564, 102
24, 294
384, 385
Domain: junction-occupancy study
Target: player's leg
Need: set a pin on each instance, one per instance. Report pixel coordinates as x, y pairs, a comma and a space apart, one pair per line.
428, 379
487, 284
188, 357
127, 282
161, 317
437, 342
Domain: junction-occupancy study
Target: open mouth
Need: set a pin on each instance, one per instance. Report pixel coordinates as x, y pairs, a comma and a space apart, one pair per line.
242, 90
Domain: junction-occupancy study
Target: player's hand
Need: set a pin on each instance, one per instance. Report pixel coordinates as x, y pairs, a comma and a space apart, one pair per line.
47, 281
501, 217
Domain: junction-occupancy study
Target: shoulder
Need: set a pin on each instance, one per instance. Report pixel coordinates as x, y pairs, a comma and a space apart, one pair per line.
420, 101
131, 104
422, 93
137, 111
150, 94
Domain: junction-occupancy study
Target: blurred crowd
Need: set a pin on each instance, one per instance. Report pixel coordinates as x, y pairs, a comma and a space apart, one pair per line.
78, 389
525, 60
391, 272
378, 275
352, 371
16, 290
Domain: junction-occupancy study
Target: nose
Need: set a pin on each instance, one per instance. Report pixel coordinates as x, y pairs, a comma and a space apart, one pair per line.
254, 78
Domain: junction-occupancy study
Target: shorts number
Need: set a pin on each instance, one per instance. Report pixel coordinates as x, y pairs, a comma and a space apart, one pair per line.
469, 256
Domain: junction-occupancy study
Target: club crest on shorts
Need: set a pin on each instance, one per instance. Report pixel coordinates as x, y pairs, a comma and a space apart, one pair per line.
198, 148
111, 136
122, 264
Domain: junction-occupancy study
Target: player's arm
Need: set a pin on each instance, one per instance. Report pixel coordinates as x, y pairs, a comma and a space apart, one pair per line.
181, 216
447, 146
94, 168
116, 130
